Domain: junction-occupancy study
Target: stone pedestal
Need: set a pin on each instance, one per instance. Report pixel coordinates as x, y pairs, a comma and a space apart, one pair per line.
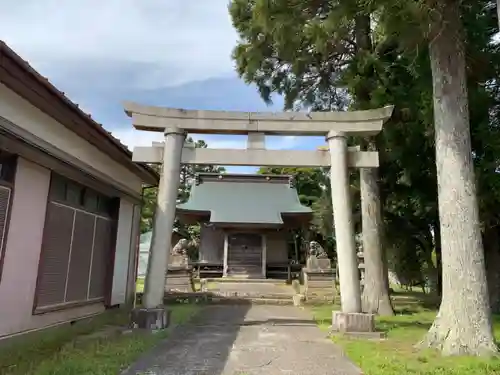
150, 319
319, 279
179, 279
355, 324
352, 322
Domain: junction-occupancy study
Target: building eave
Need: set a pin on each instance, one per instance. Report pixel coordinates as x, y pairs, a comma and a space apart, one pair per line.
18, 75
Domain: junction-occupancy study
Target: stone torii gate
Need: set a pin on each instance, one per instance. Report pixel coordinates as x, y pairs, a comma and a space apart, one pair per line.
335, 126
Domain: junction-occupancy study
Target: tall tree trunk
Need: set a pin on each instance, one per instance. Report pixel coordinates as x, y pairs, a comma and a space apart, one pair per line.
463, 324
375, 298
492, 256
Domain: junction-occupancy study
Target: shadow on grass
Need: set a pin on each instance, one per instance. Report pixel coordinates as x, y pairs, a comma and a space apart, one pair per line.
417, 300
397, 354
19, 354
98, 346
389, 325
412, 309
413, 325
409, 294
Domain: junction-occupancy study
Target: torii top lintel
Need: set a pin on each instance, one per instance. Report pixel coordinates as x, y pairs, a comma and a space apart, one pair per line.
369, 122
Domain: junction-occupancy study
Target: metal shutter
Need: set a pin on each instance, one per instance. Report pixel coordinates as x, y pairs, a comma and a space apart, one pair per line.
55, 254
102, 250
81, 257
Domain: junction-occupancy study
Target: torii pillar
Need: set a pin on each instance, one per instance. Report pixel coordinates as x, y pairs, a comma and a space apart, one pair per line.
350, 289
164, 218
154, 316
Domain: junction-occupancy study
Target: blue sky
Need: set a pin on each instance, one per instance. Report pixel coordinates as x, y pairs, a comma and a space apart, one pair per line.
174, 53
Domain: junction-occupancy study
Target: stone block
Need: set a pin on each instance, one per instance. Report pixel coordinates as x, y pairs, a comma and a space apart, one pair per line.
150, 319
318, 264
319, 283
179, 279
352, 322
326, 277
178, 260
324, 264
298, 299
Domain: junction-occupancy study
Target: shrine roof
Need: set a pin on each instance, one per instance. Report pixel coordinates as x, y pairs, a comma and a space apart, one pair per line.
244, 199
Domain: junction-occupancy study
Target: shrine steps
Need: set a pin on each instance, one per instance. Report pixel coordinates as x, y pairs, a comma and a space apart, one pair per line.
246, 280
245, 271
236, 299
227, 298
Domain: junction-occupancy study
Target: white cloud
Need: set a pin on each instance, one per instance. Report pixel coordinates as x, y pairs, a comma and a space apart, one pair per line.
180, 40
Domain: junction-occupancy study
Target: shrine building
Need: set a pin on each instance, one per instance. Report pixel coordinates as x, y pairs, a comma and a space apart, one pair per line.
245, 221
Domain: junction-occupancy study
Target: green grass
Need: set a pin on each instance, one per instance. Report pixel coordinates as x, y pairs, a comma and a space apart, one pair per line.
60, 351
397, 355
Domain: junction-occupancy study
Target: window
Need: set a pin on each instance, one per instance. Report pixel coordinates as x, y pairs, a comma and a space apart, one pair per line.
74, 194
7, 167
79, 239
91, 200
58, 188
79, 196
107, 206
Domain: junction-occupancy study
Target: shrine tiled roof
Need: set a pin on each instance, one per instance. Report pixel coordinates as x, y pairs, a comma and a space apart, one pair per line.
244, 199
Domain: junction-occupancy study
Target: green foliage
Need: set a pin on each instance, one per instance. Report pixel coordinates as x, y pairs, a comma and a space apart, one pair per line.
309, 182
313, 188
293, 48
308, 52
148, 207
323, 216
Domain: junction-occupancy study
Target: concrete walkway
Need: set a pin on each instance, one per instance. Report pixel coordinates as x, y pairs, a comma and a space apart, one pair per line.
246, 340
